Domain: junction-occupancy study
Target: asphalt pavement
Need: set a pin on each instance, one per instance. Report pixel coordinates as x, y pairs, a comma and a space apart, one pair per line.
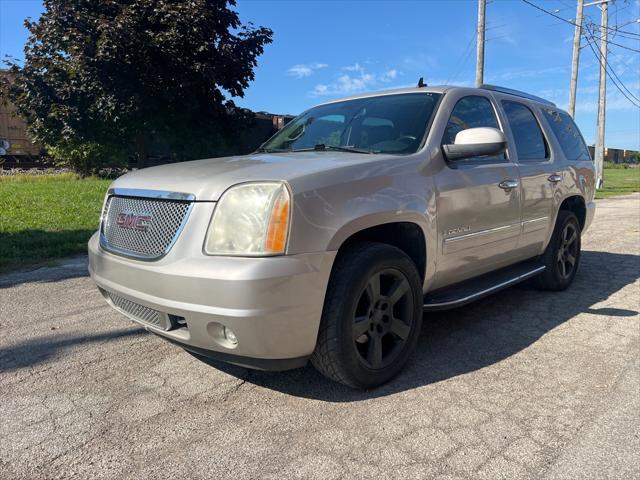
524, 384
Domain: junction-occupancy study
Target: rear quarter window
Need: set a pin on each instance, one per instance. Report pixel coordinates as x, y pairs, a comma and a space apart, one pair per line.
568, 135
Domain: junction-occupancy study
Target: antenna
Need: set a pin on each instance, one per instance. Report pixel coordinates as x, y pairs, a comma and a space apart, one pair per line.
421, 83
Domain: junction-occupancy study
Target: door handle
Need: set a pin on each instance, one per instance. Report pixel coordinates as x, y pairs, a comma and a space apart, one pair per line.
508, 185
555, 178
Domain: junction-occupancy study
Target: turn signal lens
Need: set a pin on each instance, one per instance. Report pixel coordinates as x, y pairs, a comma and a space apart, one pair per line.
276, 240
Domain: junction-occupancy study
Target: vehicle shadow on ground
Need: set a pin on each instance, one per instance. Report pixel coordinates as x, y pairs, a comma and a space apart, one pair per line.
470, 338
41, 349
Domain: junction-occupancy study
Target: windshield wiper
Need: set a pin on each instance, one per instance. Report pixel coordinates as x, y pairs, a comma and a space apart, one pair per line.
321, 147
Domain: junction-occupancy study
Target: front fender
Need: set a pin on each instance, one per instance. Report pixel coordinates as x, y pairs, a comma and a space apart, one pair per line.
375, 219
327, 229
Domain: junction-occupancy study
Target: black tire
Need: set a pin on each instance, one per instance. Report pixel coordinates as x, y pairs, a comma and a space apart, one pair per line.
366, 338
562, 256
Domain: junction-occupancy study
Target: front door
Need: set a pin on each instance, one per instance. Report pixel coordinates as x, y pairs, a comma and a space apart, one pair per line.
478, 201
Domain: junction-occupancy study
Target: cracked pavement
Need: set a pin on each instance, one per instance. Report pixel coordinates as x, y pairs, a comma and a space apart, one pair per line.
523, 384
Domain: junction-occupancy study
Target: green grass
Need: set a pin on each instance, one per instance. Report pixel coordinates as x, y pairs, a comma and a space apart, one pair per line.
620, 181
46, 217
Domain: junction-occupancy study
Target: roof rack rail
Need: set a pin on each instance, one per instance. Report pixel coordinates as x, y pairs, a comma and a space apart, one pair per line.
517, 93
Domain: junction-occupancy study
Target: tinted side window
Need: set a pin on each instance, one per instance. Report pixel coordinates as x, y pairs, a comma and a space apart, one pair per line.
469, 112
568, 135
530, 143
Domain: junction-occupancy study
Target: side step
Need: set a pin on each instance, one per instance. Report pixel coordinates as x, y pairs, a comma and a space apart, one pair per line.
479, 287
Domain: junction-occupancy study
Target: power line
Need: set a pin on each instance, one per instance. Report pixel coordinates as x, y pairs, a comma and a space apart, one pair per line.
614, 73
574, 24
612, 29
590, 41
624, 33
496, 38
618, 9
566, 5
616, 30
616, 83
463, 58
492, 27
610, 77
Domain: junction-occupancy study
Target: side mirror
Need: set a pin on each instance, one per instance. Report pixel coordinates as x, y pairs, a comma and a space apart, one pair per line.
476, 142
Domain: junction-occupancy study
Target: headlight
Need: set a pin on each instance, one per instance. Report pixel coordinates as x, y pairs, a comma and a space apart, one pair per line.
250, 219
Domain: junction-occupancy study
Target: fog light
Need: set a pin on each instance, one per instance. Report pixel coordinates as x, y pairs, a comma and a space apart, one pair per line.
229, 335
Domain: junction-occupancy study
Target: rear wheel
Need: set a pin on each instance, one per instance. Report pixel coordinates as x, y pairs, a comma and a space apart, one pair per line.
562, 255
371, 318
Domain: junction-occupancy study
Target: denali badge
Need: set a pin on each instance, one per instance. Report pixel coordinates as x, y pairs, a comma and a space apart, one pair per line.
453, 231
133, 221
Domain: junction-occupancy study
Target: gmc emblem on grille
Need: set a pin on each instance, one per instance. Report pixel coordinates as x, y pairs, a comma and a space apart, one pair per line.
133, 221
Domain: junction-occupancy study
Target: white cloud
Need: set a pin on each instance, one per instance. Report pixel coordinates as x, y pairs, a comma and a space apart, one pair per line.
622, 64
587, 97
345, 84
305, 70
356, 67
616, 102
512, 74
389, 75
357, 80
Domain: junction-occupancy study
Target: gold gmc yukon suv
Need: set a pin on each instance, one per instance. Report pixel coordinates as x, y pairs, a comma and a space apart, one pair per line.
330, 241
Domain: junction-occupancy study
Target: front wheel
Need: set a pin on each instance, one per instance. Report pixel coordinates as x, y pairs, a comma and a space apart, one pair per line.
371, 318
562, 255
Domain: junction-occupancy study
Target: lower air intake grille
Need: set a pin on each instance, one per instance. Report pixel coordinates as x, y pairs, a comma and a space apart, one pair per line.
139, 312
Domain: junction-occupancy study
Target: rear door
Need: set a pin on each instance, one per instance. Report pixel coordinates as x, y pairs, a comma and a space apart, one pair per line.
539, 174
478, 219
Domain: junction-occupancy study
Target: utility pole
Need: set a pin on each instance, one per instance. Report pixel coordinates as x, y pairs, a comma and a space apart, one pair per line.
575, 59
602, 94
482, 4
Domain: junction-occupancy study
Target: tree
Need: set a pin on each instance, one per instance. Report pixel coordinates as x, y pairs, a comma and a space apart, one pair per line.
103, 78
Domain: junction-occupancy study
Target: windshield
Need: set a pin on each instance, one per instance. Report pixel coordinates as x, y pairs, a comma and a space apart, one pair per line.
385, 124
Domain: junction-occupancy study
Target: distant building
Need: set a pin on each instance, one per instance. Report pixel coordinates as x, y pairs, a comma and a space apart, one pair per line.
617, 155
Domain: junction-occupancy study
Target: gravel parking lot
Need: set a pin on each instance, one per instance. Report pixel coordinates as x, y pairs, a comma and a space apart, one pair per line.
524, 384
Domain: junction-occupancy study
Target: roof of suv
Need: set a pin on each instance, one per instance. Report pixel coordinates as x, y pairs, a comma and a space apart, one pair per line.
443, 89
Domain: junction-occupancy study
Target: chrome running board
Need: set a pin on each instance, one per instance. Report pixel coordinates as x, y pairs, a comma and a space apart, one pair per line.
479, 287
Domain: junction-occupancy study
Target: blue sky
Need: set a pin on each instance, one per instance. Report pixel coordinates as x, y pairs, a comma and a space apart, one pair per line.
327, 49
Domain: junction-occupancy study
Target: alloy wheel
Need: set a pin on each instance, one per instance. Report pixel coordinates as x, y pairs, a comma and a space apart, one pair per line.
567, 251
383, 318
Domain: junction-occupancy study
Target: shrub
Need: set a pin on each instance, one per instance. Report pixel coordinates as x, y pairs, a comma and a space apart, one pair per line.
615, 166
87, 158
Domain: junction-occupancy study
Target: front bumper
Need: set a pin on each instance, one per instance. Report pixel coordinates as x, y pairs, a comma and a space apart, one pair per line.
272, 304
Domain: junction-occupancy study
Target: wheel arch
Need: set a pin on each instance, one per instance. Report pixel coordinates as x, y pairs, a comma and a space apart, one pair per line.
573, 203
577, 205
407, 234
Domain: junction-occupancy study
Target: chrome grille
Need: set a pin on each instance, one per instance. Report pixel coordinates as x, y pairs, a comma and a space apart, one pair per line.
139, 312
142, 227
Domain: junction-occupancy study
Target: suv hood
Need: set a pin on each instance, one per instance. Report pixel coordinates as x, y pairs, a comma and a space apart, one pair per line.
208, 179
